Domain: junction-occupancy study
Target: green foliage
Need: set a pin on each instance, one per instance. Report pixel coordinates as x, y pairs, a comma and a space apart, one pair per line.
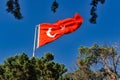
105, 57
21, 67
49, 56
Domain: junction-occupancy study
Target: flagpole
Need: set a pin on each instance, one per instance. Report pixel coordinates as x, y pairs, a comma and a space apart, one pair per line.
34, 46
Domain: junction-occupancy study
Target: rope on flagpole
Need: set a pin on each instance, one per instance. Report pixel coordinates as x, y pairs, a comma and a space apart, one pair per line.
34, 46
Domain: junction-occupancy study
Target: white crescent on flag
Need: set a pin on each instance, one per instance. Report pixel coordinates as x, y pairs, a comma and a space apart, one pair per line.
49, 34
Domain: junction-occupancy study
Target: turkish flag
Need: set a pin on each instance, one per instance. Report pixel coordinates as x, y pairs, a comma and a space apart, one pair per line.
49, 32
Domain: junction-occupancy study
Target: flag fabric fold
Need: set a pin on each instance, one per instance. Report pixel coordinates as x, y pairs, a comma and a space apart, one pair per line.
49, 32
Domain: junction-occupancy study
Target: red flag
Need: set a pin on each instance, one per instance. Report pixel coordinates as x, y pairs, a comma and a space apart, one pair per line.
49, 32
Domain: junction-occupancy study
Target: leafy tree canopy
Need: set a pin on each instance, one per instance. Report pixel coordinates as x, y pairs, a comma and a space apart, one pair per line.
21, 67
97, 63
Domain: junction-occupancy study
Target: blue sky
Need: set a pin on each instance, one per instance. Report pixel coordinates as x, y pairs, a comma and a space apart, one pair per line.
16, 36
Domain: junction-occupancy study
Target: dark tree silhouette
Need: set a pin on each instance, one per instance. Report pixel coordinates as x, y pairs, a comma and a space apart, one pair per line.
13, 7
